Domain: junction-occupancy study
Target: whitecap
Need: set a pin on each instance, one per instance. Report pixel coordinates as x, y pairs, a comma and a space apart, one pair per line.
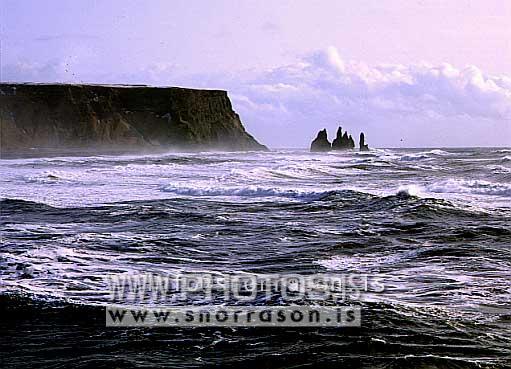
414, 157
408, 190
438, 152
247, 191
463, 186
52, 177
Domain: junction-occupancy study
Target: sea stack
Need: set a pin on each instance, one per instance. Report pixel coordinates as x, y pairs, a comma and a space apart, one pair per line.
343, 141
351, 142
363, 145
337, 142
321, 142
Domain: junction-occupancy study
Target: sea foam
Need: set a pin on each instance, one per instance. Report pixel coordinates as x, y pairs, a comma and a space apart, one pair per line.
246, 191
479, 187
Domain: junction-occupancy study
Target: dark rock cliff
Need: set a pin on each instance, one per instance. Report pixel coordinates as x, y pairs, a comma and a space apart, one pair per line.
121, 117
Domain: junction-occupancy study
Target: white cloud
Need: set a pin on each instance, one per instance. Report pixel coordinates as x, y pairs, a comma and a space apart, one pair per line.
462, 106
395, 89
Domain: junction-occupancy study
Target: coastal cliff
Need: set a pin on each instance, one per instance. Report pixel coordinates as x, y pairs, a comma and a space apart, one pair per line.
119, 117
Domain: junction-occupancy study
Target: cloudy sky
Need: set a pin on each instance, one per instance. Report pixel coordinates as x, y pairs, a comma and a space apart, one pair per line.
408, 73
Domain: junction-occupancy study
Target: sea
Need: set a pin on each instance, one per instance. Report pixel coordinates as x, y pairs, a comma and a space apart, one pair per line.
433, 225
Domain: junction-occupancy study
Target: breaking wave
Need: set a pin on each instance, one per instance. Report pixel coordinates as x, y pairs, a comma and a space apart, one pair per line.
479, 187
424, 155
248, 191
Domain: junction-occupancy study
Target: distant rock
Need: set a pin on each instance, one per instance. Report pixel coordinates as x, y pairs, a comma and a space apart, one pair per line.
337, 143
363, 145
351, 142
343, 141
321, 142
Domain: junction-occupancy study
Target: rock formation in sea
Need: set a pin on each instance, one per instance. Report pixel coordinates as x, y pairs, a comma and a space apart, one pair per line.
351, 142
321, 142
341, 142
337, 142
363, 145
118, 117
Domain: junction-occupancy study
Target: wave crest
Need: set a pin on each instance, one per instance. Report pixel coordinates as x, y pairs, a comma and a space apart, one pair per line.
248, 191
479, 187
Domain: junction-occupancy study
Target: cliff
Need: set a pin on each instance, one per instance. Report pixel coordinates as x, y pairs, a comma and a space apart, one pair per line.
118, 117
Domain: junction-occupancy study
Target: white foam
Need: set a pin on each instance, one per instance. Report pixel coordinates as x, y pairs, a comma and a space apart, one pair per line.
414, 157
246, 191
409, 190
438, 152
479, 187
359, 263
423, 155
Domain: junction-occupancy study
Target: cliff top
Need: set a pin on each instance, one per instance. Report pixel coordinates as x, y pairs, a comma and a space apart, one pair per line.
106, 85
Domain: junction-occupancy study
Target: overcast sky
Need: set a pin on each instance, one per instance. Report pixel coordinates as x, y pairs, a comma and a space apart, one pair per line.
408, 73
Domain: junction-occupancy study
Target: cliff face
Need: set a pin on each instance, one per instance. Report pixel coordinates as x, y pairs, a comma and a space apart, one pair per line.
74, 116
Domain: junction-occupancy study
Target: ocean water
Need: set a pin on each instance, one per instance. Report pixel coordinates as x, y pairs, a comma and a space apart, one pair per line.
433, 224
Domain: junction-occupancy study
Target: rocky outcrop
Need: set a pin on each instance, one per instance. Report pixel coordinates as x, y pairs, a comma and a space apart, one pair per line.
363, 145
123, 117
341, 142
321, 142
351, 142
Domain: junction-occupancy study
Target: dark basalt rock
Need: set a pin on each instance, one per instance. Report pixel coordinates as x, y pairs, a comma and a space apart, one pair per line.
351, 142
321, 142
338, 142
363, 145
343, 141
69, 116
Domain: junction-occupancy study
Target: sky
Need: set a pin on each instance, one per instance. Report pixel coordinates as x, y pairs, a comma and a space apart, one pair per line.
415, 73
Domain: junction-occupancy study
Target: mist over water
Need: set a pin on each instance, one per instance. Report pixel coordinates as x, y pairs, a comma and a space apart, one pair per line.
433, 224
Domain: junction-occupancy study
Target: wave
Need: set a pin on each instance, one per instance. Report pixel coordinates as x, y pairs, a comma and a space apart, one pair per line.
248, 191
439, 152
424, 155
408, 191
11, 204
358, 195
456, 186
479, 187
499, 169
414, 157
52, 177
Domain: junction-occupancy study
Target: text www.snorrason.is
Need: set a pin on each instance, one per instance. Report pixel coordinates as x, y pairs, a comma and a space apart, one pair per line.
234, 316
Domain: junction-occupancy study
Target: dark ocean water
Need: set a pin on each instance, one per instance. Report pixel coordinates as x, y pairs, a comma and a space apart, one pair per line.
433, 225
